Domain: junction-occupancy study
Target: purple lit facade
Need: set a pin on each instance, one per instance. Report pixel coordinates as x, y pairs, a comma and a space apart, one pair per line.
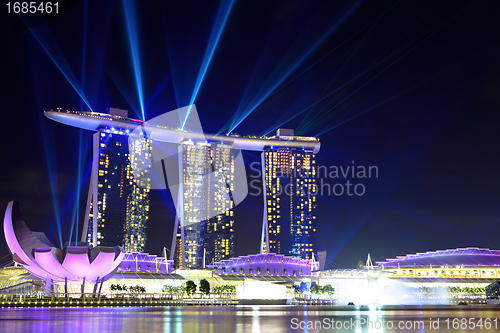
145, 263
34, 252
266, 264
471, 256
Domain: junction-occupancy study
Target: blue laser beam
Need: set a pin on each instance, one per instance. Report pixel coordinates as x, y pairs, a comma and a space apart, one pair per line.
158, 90
58, 59
80, 179
324, 97
220, 22
76, 203
47, 145
123, 90
367, 70
84, 43
52, 172
327, 54
338, 72
390, 98
429, 35
133, 39
266, 91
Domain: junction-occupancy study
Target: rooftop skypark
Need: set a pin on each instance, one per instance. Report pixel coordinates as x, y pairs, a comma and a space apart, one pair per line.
164, 133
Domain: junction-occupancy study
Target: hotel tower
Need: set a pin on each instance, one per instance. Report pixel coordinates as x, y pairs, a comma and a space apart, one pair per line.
289, 225
118, 199
204, 228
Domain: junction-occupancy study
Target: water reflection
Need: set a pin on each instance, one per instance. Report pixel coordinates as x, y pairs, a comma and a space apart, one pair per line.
243, 319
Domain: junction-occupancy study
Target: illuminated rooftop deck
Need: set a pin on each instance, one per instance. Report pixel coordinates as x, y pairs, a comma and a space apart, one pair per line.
94, 121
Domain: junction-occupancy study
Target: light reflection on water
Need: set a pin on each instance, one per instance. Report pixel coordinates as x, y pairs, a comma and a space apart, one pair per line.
239, 319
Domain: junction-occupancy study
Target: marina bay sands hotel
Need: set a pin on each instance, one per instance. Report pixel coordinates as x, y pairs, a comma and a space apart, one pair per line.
131, 157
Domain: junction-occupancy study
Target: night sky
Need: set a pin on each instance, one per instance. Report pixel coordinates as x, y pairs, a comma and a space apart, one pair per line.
411, 87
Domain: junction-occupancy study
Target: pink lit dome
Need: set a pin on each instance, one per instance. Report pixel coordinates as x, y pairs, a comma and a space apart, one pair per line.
37, 255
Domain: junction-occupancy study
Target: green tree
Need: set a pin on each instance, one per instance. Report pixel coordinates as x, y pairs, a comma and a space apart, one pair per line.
190, 287
327, 290
204, 287
315, 289
228, 288
223, 289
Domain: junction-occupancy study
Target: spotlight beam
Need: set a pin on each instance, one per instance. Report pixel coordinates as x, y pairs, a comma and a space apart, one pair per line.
401, 57
320, 119
76, 203
123, 91
299, 127
79, 181
331, 93
391, 98
47, 145
220, 22
334, 49
63, 67
133, 39
52, 172
322, 58
407, 30
261, 96
346, 84
158, 90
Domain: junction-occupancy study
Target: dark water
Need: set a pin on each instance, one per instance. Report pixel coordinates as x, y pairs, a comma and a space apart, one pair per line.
253, 319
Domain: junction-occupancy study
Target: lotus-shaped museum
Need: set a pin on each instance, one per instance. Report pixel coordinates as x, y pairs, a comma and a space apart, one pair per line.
36, 254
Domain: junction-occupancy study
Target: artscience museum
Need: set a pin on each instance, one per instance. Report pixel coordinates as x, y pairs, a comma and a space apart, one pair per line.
88, 267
